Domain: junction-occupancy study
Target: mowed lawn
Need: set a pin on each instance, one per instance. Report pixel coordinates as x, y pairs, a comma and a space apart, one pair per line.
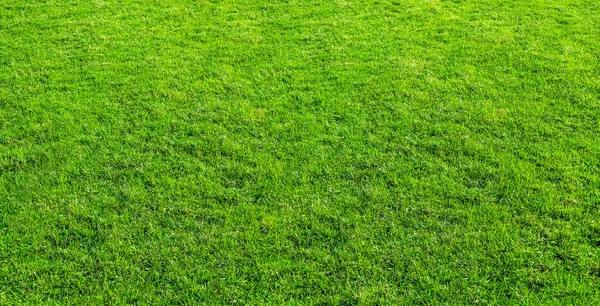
299, 152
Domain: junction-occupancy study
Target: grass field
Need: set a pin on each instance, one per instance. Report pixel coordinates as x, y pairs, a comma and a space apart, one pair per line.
300, 152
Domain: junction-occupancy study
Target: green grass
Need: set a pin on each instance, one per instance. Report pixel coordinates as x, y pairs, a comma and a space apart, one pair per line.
300, 152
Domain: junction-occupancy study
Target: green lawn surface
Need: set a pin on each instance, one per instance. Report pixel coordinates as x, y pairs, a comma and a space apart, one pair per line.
300, 152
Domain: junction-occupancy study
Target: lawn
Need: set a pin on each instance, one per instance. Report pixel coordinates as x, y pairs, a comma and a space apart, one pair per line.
299, 152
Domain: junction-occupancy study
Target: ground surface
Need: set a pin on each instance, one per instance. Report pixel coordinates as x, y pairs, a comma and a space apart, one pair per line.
333, 152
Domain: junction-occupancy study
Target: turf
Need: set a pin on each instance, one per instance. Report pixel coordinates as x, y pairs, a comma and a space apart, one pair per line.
300, 152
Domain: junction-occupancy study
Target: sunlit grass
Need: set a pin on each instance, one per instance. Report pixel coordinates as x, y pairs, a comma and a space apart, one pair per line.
300, 152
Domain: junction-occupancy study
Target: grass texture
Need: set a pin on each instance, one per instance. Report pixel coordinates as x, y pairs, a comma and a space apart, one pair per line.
299, 152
